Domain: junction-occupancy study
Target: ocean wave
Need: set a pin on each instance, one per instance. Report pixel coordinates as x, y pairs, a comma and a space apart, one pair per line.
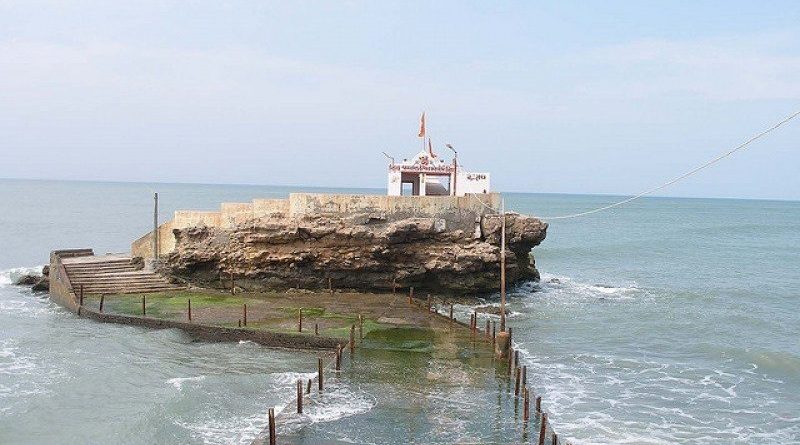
290, 378
13, 363
772, 365
605, 392
568, 290
225, 431
10, 276
336, 402
178, 382
604, 398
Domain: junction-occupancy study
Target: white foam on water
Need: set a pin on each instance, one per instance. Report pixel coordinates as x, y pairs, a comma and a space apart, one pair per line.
10, 276
286, 379
23, 375
178, 382
213, 429
24, 306
224, 431
13, 363
340, 402
336, 402
564, 287
20, 300
624, 396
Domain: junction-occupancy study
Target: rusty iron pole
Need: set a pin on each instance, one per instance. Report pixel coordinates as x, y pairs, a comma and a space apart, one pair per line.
543, 429
144, 311
272, 439
319, 373
190, 309
526, 413
300, 320
352, 339
155, 228
299, 396
102, 299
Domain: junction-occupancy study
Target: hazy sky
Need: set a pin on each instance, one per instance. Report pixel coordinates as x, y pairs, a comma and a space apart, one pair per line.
574, 97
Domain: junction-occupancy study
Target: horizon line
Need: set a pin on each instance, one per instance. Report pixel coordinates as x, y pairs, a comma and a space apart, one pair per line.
618, 195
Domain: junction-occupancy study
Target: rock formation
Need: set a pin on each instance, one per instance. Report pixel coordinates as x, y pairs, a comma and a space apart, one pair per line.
38, 283
27, 280
367, 252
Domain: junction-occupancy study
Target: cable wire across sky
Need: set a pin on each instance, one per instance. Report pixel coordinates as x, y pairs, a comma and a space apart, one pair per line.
709, 163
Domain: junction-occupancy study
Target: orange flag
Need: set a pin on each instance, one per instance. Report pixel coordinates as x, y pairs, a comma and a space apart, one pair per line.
430, 148
422, 126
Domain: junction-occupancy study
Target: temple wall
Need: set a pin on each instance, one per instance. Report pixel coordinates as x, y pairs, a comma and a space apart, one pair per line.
235, 213
191, 218
301, 204
267, 207
311, 203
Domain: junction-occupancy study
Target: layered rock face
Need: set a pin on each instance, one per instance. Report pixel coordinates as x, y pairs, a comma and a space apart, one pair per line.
362, 252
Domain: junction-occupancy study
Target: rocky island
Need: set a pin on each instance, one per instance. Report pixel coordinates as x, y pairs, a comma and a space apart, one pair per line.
441, 244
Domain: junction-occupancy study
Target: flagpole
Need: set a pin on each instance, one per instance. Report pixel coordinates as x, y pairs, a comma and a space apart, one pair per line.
424, 128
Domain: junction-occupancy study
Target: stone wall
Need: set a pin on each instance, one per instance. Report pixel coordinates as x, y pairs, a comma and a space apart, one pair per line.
270, 207
301, 204
218, 333
60, 287
143, 247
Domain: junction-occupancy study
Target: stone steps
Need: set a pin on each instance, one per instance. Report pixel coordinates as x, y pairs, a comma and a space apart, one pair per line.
121, 275
113, 274
127, 289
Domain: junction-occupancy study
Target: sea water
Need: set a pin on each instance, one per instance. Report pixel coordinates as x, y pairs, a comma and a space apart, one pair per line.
663, 321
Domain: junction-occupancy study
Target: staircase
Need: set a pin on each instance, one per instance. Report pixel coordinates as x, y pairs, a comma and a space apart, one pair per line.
112, 274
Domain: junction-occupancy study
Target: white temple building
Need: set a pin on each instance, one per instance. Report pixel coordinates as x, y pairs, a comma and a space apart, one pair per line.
427, 174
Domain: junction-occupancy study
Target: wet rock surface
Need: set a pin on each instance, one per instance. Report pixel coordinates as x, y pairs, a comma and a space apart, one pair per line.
359, 252
27, 280
42, 285
37, 283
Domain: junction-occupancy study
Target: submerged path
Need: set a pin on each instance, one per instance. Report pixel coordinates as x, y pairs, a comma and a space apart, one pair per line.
414, 372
